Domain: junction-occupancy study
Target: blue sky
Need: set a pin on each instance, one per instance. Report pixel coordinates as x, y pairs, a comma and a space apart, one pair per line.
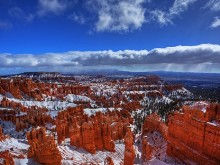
105, 29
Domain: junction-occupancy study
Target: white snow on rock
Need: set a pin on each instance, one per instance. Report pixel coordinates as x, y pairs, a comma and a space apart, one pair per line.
18, 145
72, 98
25, 162
72, 155
9, 129
90, 111
50, 105
1, 97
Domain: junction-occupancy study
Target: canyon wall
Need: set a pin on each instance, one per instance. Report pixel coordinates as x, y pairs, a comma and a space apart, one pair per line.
194, 134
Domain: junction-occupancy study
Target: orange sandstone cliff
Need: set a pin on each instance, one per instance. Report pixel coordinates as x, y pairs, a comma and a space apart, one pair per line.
194, 135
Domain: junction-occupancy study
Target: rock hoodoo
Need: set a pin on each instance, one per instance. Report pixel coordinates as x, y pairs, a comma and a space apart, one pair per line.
43, 147
129, 154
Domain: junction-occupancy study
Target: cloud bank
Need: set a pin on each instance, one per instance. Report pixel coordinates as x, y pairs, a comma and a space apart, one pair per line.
200, 58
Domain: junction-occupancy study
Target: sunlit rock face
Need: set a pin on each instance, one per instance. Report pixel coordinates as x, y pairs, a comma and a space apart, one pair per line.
129, 154
43, 147
194, 134
88, 137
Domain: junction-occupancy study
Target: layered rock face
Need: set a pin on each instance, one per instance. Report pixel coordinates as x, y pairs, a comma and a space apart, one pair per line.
43, 148
20, 87
194, 135
154, 133
129, 154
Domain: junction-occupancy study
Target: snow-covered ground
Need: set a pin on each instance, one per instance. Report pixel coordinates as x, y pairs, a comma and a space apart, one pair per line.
90, 111
72, 155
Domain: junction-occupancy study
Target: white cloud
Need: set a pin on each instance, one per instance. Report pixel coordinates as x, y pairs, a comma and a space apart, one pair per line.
5, 25
161, 17
180, 6
119, 16
214, 5
77, 18
215, 23
51, 6
166, 17
18, 13
190, 58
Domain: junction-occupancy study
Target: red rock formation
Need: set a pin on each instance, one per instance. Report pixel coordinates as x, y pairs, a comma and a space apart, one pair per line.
34, 89
43, 148
153, 133
117, 131
75, 134
195, 134
64, 123
129, 154
98, 136
102, 129
88, 137
146, 150
108, 143
131, 106
2, 136
7, 158
108, 161
23, 117
153, 145
153, 122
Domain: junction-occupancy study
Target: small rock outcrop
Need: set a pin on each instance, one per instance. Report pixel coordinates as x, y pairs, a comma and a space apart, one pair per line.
43, 147
129, 154
2, 136
108, 161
